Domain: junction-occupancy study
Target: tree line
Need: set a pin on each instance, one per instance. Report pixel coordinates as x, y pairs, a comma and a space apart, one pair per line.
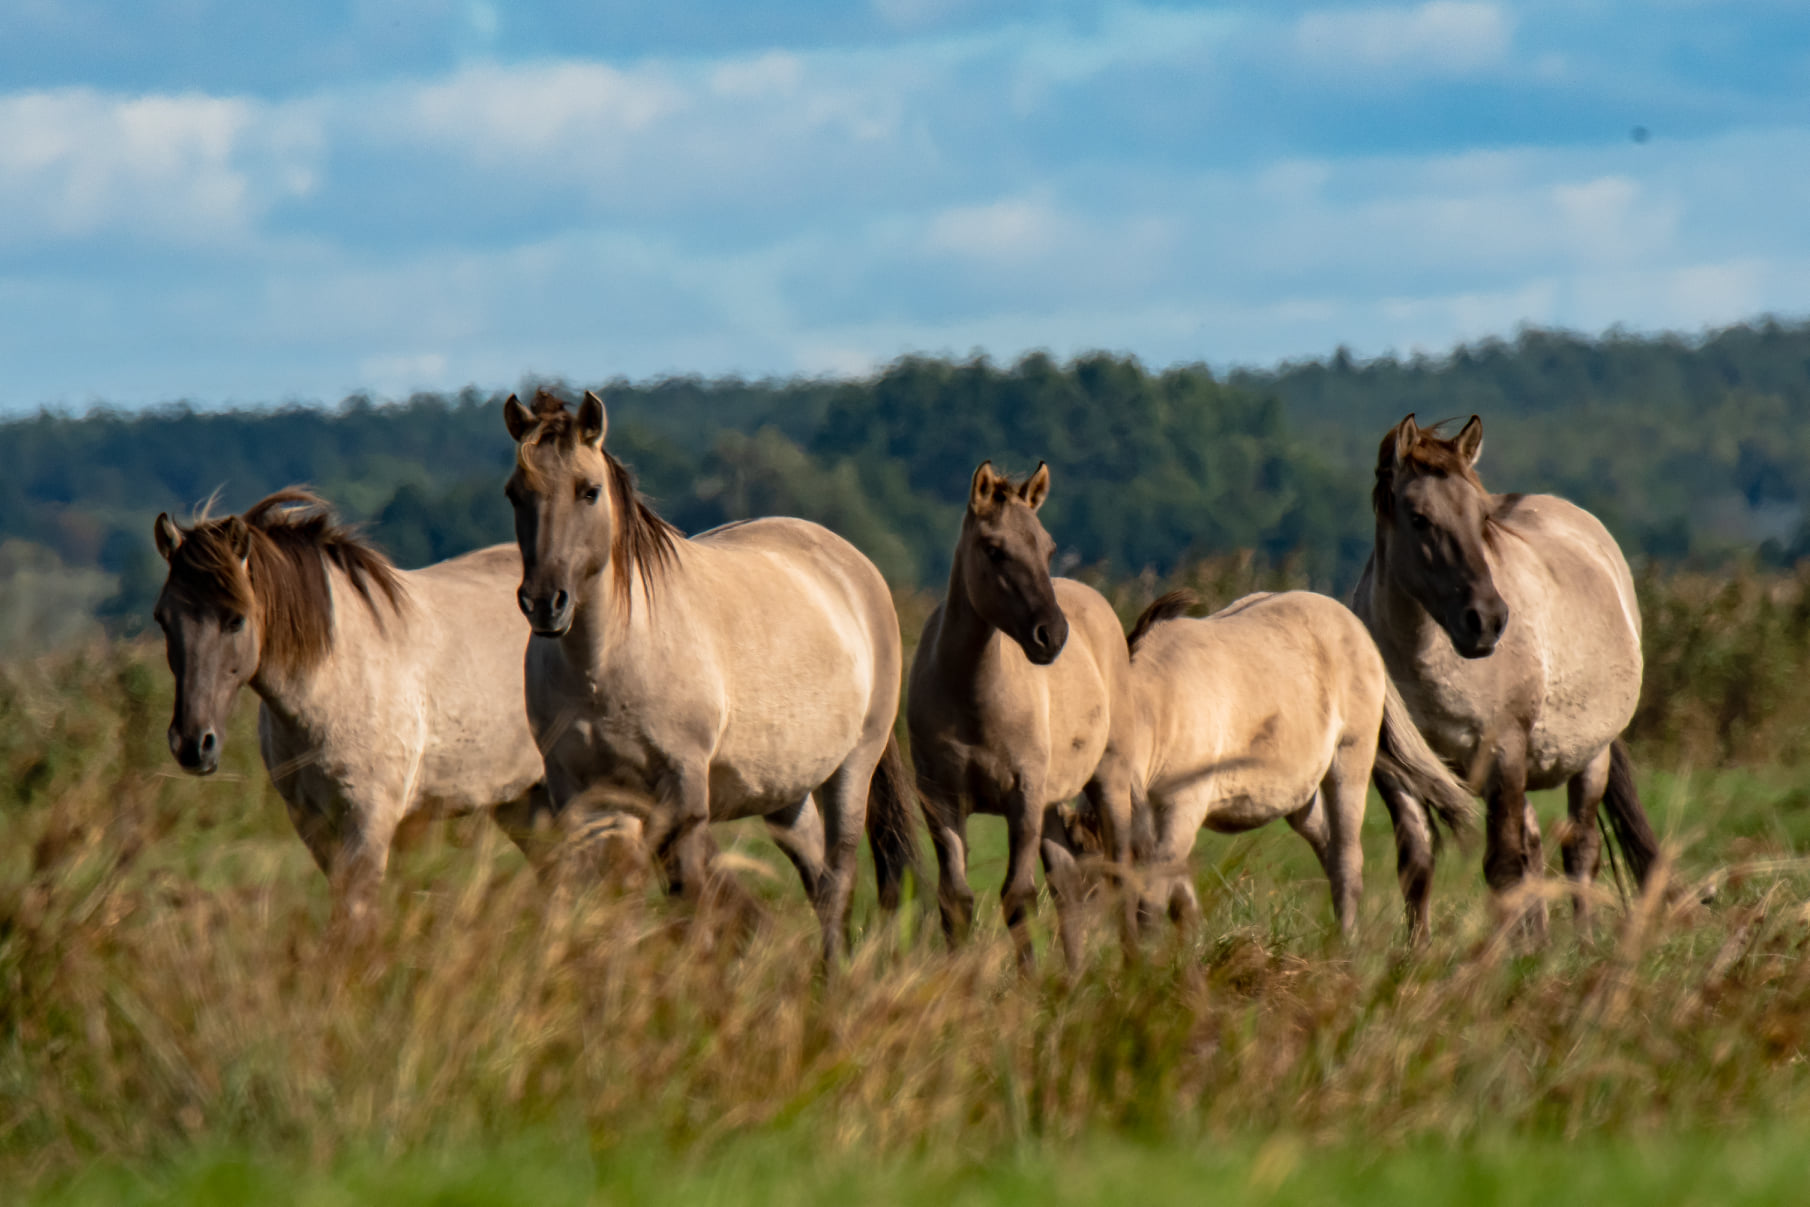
1692, 450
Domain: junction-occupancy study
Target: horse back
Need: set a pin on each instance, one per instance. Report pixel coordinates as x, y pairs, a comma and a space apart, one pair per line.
1258, 696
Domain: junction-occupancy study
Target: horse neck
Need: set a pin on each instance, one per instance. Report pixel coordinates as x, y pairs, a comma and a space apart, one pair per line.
312, 697
964, 634
1400, 620
604, 627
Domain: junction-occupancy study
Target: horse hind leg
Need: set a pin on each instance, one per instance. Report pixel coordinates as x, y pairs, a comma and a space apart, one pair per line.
1581, 846
1314, 821
1342, 795
798, 831
1414, 855
842, 802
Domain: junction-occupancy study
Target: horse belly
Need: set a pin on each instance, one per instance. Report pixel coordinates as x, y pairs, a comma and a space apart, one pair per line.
771, 757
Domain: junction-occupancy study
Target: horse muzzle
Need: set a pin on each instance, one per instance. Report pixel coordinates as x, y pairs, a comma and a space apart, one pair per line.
1044, 642
1479, 627
199, 755
548, 615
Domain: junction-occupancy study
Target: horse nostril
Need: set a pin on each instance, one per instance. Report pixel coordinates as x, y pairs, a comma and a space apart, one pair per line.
524, 603
209, 743
560, 598
1473, 622
1041, 635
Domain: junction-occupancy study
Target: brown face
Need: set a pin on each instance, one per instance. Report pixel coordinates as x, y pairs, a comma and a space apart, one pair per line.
213, 650
1430, 538
1005, 562
563, 519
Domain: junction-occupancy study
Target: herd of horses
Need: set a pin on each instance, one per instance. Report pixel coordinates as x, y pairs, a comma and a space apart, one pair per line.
664, 682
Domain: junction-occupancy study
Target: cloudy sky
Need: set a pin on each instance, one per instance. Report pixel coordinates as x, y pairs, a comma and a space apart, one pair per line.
233, 202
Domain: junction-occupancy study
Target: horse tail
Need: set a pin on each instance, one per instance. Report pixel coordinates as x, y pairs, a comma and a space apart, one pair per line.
890, 832
1633, 833
1166, 607
1403, 755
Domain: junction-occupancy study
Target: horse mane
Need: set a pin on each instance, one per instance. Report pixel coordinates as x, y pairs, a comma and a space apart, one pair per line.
643, 544
1166, 607
1430, 453
292, 538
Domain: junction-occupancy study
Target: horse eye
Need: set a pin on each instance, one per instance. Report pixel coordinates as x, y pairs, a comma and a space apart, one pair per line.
1421, 523
591, 494
234, 624
996, 554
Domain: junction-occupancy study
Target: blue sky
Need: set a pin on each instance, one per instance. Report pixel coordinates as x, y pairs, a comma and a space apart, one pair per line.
232, 202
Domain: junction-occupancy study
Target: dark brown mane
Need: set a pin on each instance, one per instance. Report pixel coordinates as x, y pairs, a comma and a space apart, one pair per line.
1430, 453
292, 539
1166, 607
643, 544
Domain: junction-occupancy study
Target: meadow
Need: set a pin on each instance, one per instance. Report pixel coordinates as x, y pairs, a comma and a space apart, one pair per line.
175, 1026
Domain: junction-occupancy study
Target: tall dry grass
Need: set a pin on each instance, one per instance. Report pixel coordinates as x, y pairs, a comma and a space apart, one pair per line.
166, 984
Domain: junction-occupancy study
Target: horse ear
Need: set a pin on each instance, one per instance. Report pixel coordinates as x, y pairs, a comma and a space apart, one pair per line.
1470, 441
1406, 433
980, 490
593, 421
167, 535
517, 418
1037, 487
238, 536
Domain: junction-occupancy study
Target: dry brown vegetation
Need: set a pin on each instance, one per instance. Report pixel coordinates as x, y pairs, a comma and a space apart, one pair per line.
166, 982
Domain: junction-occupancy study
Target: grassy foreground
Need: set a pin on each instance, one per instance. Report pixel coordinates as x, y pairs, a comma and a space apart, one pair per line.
1713, 1172
174, 1026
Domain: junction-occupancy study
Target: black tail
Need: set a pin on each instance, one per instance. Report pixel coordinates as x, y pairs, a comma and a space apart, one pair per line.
1165, 607
891, 834
1402, 755
1633, 833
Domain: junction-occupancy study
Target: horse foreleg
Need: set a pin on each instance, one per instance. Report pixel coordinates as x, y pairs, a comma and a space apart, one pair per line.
528, 822
1018, 897
1066, 886
1413, 828
1512, 852
948, 822
1110, 795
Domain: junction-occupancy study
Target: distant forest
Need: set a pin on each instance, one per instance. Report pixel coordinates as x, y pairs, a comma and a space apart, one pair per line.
1691, 449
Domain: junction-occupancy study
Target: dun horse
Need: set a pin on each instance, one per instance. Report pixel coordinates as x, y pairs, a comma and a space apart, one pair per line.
385, 693
1271, 707
1014, 693
1509, 623
733, 674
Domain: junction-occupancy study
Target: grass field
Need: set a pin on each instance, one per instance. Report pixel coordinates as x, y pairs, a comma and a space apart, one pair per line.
174, 1027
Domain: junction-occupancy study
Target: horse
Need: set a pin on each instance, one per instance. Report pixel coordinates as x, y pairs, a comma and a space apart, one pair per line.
384, 693
740, 672
1271, 707
1014, 694
1510, 624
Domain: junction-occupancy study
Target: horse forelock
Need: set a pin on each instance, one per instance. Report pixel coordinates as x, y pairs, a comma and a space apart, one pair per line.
1430, 453
282, 577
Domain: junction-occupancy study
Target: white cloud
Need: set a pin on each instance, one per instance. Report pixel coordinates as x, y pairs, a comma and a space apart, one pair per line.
527, 113
1003, 233
76, 162
1443, 37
